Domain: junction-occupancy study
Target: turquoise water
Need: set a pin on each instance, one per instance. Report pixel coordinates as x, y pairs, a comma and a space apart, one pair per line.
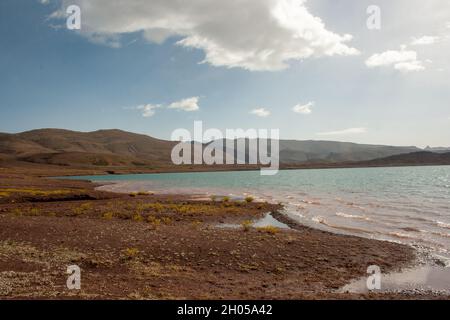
405, 204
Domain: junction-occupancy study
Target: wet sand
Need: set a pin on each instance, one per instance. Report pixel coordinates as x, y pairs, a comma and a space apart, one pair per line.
145, 246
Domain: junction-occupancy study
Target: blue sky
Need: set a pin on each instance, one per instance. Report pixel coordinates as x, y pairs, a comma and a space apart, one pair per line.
387, 86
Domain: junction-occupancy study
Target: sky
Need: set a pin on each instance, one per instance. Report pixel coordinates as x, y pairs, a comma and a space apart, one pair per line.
311, 68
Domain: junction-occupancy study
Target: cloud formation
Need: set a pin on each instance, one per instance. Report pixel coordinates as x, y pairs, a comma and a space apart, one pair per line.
403, 60
425, 40
262, 35
260, 112
303, 109
349, 131
188, 104
148, 110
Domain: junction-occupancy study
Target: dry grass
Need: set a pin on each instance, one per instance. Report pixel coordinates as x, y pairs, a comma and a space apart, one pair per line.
154, 221
33, 192
246, 225
131, 253
144, 193
108, 215
249, 199
269, 229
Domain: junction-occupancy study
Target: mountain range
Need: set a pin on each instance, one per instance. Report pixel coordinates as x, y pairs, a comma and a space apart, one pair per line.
121, 148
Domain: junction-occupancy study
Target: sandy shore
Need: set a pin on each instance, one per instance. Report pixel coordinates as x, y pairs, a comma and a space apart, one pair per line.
143, 246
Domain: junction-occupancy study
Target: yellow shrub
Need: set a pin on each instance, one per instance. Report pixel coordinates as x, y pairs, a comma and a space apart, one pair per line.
108, 215
269, 229
166, 220
34, 212
154, 221
246, 225
131, 252
249, 199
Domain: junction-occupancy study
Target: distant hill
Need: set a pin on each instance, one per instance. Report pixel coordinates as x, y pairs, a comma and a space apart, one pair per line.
437, 149
415, 158
121, 148
103, 147
292, 151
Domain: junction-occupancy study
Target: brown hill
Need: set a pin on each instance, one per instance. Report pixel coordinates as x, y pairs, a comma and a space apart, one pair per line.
103, 147
414, 158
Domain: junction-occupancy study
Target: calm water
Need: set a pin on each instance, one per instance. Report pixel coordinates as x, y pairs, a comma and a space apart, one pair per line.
407, 204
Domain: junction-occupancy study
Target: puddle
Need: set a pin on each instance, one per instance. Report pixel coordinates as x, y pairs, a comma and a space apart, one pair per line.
267, 221
424, 278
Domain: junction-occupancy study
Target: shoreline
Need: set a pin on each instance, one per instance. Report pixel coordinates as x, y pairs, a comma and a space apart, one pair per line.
51, 170
202, 169
144, 246
426, 259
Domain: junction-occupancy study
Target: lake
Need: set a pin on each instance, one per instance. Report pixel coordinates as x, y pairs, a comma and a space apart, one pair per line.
404, 204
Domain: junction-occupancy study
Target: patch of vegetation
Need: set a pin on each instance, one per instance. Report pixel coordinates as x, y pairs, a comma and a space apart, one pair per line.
166, 220
154, 221
17, 212
131, 253
33, 192
34, 212
196, 224
269, 229
108, 215
144, 193
246, 225
249, 199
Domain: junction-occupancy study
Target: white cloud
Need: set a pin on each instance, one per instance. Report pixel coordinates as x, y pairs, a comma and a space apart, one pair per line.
403, 60
425, 40
148, 110
409, 66
44, 2
188, 104
348, 131
303, 109
249, 34
260, 112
